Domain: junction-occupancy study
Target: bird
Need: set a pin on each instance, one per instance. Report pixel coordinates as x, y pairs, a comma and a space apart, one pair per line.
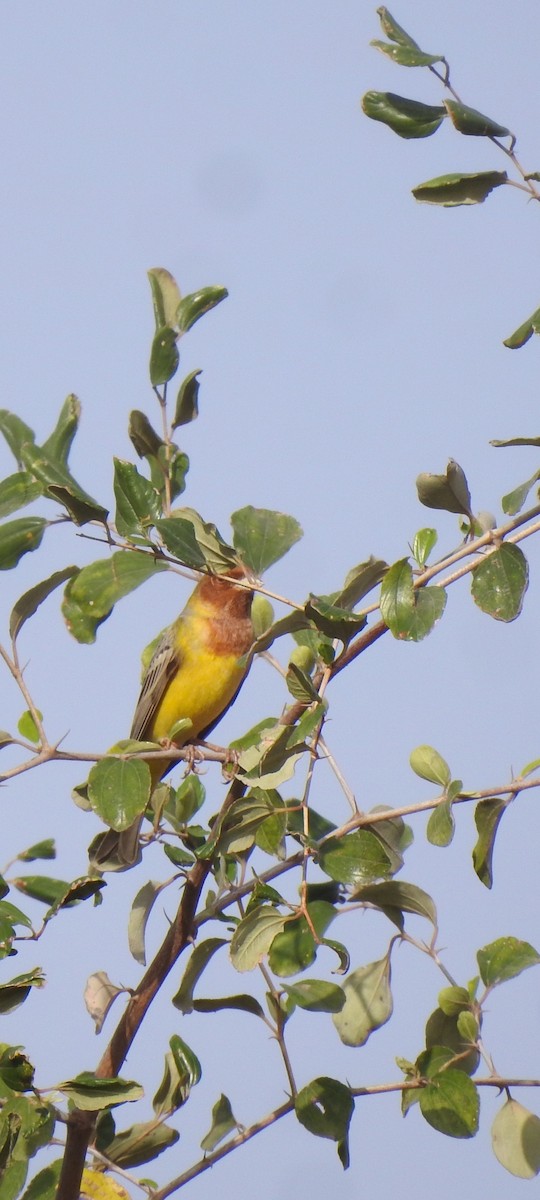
196, 671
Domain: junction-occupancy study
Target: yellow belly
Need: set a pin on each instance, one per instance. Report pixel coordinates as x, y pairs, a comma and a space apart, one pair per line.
201, 691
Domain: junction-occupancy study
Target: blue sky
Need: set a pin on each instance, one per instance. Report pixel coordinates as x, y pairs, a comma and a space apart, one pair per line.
361, 343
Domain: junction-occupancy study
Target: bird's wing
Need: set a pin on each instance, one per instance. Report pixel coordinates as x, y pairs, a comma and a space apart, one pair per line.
162, 667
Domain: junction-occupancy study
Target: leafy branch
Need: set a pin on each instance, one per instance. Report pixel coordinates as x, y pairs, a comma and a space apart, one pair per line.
412, 119
339, 868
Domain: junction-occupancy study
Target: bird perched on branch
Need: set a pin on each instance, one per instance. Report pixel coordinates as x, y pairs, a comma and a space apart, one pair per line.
196, 671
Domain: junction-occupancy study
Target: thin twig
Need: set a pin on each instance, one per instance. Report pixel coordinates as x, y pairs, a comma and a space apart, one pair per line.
210, 1160
408, 810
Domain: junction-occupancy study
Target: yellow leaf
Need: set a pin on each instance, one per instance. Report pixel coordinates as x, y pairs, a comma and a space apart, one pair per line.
97, 1186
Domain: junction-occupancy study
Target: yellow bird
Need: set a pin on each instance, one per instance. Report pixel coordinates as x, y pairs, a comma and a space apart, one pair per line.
196, 671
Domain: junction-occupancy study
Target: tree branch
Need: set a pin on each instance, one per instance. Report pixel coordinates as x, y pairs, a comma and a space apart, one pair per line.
179, 935
211, 1159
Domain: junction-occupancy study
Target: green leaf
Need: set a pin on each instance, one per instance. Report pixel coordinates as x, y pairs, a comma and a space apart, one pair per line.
245, 817
316, 995
138, 504
17, 491
360, 580
368, 1003
270, 834
450, 1104
423, 543
443, 1030
194, 306
262, 892
342, 953
91, 1094
262, 536
10, 917
49, 469
196, 542
188, 798
182, 1071
459, 188
295, 948
16, 1070
407, 118
58, 444
514, 342
164, 356
180, 539
178, 467
19, 537
394, 31
26, 1125
504, 959
470, 121
441, 824
14, 1174
223, 1122
15, 991
44, 1185
90, 596
45, 849
79, 506
394, 835
429, 764
515, 1136
139, 1144
356, 858
28, 604
513, 502
409, 612
333, 621
299, 684
468, 1028
187, 408
487, 817
449, 491
325, 1108
272, 762
452, 1000
27, 727
454, 789
200, 957
499, 583
530, 768
119, 791
165, 296
143, 436
18, 435
254, 935
241, 1003
186, 1061
178, 856
85, 888
433, 1060
406, 56
396, 894
41, 887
